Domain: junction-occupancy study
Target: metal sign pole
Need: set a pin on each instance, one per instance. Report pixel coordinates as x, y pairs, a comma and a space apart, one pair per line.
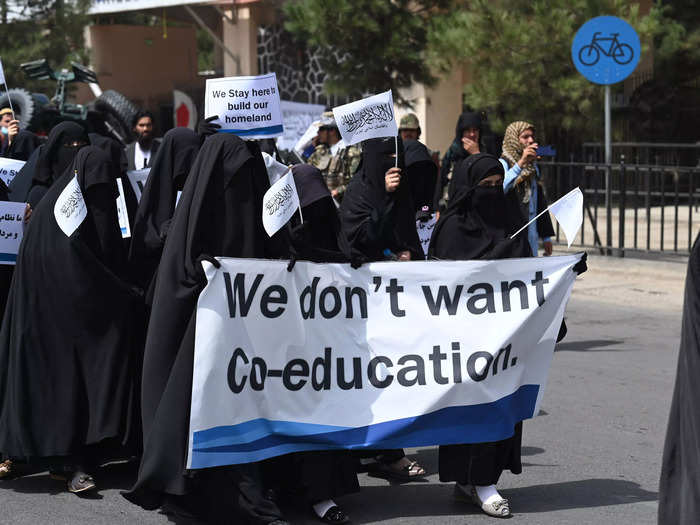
608, 172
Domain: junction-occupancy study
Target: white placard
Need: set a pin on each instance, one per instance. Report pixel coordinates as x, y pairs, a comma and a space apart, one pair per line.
122, 212
297, 118
70, 209
247, 106
118, 6
11, 230
369, 118
9, 168
138, 179
390, 355
279, 203
425, 231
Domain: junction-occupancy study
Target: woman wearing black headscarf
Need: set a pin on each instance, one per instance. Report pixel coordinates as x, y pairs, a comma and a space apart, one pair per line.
219, 213
467, 142
55, 157
378, 222
316, 477
377, 216
477, 225
68, 329
23, 145
167, 178
421, 175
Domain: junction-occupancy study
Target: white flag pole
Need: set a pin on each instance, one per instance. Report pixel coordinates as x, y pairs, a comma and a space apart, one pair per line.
542, 213
396, 149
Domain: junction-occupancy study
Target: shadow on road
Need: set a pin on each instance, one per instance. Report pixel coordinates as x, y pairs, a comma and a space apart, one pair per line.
591, 345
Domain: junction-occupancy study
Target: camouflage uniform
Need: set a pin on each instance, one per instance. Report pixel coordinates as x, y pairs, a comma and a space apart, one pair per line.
337, 170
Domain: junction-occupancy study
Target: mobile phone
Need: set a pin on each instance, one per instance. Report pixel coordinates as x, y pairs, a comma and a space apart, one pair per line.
546, 151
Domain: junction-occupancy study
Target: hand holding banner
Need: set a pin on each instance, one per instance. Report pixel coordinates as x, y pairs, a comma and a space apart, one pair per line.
369, 118
247, 106
279, 203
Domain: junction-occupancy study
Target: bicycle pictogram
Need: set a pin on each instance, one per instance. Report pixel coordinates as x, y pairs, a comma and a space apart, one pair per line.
618, 51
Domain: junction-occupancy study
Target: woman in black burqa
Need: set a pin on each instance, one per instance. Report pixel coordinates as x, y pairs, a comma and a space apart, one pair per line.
679, 488
477, 225
378, 222
23, 145
315, 478
166, 180
66, 376
219, 214
421, 175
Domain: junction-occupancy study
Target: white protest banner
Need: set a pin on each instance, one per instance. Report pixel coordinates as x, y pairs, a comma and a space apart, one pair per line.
11, 230
279, 203
297, 118
137, 179
369, 118
70, 209
569, 213
9, 168
390, 355
118, 6
425, 231
247, 106
122, 213
275, 169
305, 140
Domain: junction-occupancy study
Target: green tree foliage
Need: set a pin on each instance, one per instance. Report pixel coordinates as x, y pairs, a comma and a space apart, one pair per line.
518, 54
382, 44
33, 29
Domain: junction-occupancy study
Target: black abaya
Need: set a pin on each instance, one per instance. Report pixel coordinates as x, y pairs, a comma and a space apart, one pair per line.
65, 343
171, 165
219, 214
421, 175
476, 225
679, 488
23, 145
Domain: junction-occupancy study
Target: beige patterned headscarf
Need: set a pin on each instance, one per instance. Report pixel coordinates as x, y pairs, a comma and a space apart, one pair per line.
512, 151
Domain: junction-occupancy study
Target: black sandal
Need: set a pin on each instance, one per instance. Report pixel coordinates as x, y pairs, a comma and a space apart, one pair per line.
335, 516
409, 472
80, 482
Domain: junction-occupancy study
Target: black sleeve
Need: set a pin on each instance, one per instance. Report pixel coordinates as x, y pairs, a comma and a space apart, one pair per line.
102, 209
544, 222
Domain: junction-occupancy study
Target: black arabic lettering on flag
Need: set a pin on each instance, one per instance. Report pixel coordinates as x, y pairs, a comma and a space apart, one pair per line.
280, 200
72, 203
370, 117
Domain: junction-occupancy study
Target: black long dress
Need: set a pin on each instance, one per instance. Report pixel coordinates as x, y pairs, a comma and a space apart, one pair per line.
219, 214
476, 225
171, 166
679, 488
66, 380
320, 475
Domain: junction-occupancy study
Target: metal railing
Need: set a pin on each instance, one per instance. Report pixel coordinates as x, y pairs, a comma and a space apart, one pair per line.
639, 207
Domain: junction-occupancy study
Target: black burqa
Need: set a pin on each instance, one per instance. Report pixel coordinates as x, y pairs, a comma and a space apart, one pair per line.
66, 378
23, 145
477, 225
456, 152
372, 219
316, 476
219, 214
420, 175
54, 157
679, 488
167, 177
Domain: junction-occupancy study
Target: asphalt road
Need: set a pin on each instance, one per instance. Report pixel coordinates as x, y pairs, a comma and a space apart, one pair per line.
593, 456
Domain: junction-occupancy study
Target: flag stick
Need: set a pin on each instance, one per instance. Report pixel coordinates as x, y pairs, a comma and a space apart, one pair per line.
542, 213
396, 148
9, 101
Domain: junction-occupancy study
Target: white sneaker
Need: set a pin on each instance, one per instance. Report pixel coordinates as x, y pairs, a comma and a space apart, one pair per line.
497, 508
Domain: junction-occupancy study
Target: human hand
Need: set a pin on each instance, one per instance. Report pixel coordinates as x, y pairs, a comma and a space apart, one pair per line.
471, 146
392, 179
404, 255
335, 193
547, 248
27, 213
529, 155
207, 127
12, 130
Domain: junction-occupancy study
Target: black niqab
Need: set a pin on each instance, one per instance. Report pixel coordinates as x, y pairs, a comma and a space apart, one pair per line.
167, 177
479, 220
68, 327
372, 219
420, 175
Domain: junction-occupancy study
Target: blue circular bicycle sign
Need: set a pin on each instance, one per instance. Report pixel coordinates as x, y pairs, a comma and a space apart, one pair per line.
606, 50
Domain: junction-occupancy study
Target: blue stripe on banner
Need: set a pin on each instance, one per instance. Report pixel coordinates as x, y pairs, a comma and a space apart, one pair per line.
261, 439
269, 130
8, 257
